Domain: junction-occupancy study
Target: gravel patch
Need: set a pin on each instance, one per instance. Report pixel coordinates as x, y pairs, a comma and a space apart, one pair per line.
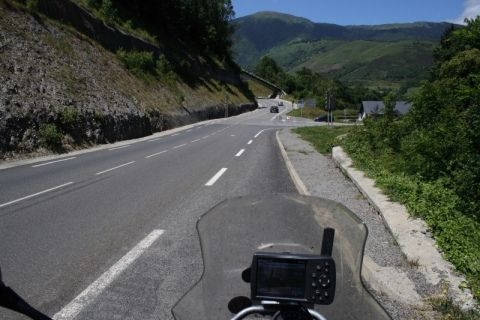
323, 179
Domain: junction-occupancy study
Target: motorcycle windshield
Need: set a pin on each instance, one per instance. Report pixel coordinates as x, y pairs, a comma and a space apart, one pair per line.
232, 231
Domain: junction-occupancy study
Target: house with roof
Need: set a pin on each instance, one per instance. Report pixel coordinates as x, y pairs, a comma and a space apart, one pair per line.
370, 108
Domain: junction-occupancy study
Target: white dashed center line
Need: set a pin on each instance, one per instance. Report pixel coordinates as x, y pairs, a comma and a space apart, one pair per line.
217, 176
182, 145
47, 163
240, 153
250, 142
259, 133
117, 167
155, 154
35, 194
196, 140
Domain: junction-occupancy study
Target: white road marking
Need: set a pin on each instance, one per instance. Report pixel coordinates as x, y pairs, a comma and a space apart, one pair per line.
188, 130
250, 142
155, 139
121, 147
175, 134
217, 176
274, 117
232, 135
206, 137
90, 294
182, 145
259, 133
120, 166
35, 194
240, 153
195, 140
155, 154
47, 163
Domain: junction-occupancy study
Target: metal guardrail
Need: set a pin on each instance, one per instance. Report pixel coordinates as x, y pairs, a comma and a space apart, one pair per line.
268, 83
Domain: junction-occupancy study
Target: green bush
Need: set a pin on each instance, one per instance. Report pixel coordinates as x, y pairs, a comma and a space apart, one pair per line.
109, 11
457, 233
69, 118
50, 137
139, 62
145, 65
164, 70
32, 5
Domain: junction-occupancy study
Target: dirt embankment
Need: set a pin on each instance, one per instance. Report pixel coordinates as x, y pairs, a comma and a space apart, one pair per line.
61, 90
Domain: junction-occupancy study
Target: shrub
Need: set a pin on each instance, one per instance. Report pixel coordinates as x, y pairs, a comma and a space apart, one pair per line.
139, 62
109, 11
69, 118
32, 5
50, 137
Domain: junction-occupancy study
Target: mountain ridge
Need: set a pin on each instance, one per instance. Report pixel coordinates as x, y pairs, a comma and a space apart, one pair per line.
297, 42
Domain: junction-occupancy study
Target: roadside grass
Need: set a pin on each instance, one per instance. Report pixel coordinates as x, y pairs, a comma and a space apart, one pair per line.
323, 138
450, 311
312, 113
309, 113
456, 233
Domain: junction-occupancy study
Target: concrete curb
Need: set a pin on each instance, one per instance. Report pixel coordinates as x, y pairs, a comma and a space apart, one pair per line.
410, 234
369, 268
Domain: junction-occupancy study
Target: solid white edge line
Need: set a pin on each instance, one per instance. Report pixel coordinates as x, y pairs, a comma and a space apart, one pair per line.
47, 163
240, 153
117, 167
182, 145
250, 142
259, 133
35, 194
217, 176
155, 154
90, 294
155, 139
175, 134
121, 147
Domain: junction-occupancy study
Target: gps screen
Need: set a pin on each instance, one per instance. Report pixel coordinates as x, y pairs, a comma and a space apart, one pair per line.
279, 278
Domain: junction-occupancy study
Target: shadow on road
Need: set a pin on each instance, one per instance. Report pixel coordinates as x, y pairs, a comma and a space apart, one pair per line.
10, 300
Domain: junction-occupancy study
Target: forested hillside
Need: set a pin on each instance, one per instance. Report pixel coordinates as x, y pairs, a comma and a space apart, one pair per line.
391, 55
69, 78
202, 25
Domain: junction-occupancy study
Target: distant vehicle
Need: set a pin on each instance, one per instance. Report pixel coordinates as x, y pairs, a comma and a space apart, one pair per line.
273, 109
323, 119
280, 104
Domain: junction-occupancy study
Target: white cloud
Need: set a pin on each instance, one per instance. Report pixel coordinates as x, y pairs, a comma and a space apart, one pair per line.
471, 11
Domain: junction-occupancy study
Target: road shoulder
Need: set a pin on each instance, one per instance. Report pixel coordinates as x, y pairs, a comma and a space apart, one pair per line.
395, 282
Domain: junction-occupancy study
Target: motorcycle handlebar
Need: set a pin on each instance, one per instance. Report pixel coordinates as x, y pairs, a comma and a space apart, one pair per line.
261, 309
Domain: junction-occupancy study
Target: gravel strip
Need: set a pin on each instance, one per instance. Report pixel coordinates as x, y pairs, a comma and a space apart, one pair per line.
323, 179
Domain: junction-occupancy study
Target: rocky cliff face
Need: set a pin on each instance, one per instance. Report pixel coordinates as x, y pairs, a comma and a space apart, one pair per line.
58, 84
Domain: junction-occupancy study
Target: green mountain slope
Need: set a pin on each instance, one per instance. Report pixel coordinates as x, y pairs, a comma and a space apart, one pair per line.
391, 54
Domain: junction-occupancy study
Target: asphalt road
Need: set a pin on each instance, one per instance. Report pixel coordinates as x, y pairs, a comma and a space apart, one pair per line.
110, 234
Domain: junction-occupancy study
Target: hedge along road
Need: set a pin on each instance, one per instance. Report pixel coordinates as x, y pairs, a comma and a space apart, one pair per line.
111, 233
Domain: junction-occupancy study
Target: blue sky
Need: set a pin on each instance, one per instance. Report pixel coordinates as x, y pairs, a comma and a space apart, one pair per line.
365, 11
